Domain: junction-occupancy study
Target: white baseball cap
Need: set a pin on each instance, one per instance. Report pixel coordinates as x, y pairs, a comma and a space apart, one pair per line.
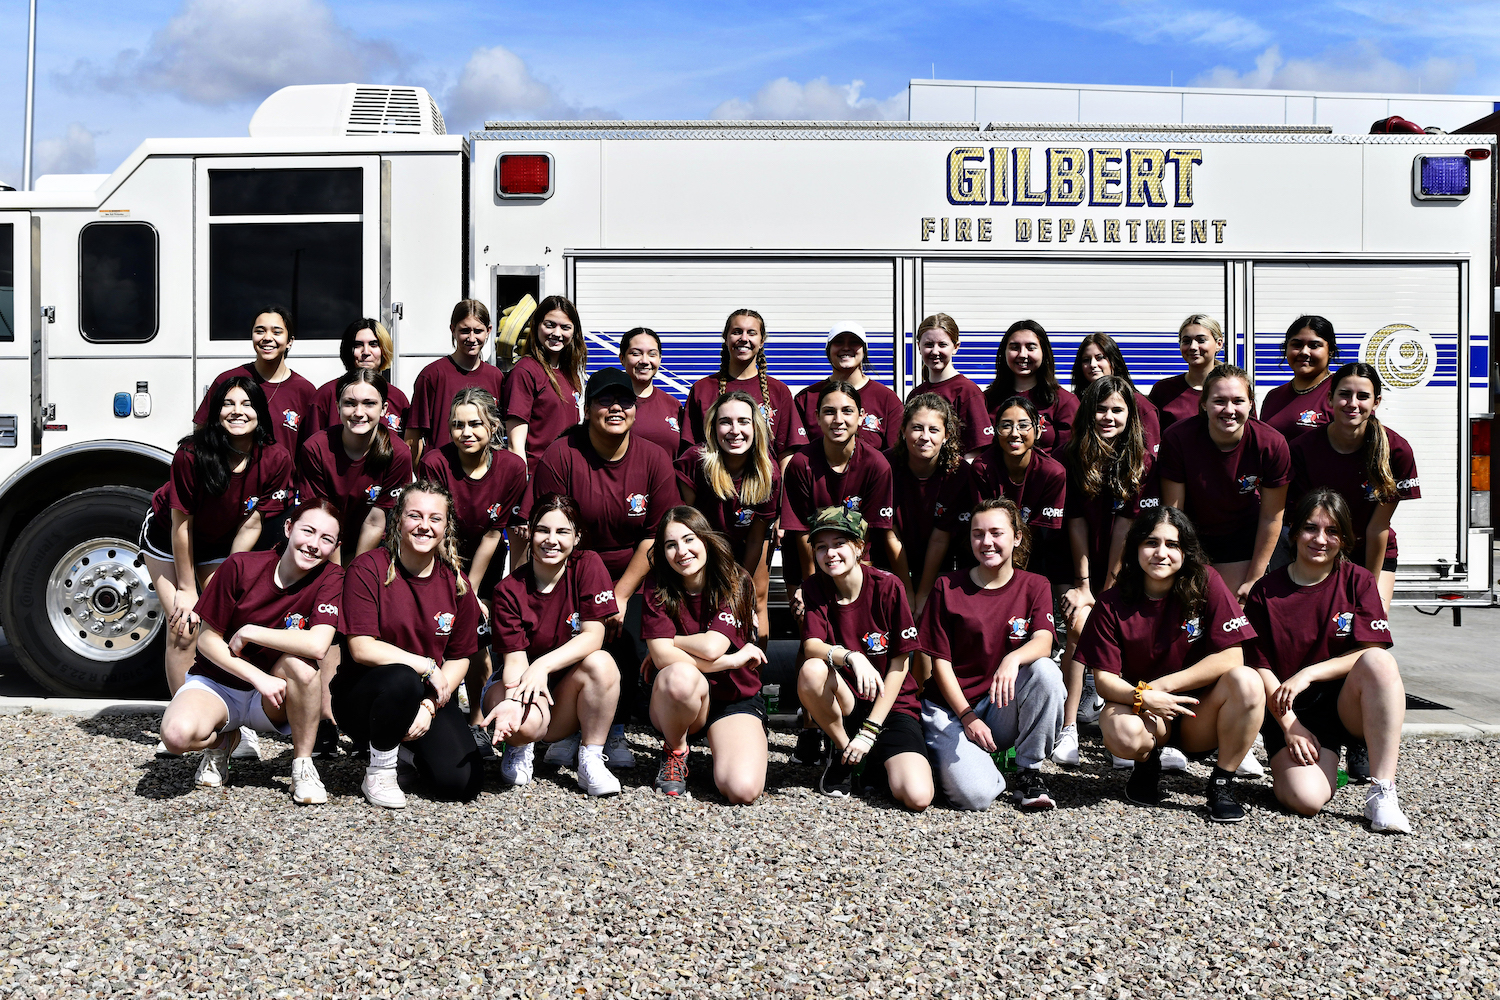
853, 328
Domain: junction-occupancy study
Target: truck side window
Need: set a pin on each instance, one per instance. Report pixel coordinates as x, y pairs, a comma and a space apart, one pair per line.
117, 284
7, 282
286, 235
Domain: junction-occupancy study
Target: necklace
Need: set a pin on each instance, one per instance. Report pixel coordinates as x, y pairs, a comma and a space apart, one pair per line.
1303, 392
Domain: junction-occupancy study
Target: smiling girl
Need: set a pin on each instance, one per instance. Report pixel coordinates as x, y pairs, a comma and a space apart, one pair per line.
541, 397
436, 385
1098, 355
1024, 366
742, 366
934, 489
365, 344
289, 396
1302, 404
848, 351
937, 345
1200, 338
658, 414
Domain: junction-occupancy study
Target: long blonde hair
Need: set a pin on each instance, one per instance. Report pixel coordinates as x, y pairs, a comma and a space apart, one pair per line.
755, 486
447, 549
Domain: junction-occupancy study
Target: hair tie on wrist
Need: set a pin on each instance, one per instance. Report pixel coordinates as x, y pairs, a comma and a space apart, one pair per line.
1138, 703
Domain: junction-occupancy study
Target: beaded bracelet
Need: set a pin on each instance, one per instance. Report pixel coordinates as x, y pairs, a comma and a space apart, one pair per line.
1138, 703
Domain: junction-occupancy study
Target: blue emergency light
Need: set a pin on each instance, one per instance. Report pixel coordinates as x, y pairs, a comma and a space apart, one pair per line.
1440, 178
122, 404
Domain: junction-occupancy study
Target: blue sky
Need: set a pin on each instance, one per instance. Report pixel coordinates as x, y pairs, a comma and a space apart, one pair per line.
112, 74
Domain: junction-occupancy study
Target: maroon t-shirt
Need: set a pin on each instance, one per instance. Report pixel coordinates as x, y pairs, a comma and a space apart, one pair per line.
493, 501
1296, 627
1174, 400
420, 614
1150, 422
1099, 513
1222, 488
877, 623
658, 419
324, 469
974, 628
1293, 413
787, 432
264, 484
325, 409
1152, 639
1041, 492
290, 402
529, 397
724, 686
941, 501
881, 425
436, 385
531, 622
1316, 463
727, 515
811, 483
621, 502
968, 401
244, 592
1057, 420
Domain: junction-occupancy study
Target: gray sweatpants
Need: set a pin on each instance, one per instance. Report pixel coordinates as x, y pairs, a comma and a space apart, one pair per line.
1030, 723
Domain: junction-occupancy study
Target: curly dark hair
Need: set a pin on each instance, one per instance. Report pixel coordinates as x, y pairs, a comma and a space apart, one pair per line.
1190, 585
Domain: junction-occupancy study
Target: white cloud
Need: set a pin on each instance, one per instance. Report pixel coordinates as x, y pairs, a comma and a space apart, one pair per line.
1154, 22
1360, 67
219, 52
497, 84
70, 153
816, 100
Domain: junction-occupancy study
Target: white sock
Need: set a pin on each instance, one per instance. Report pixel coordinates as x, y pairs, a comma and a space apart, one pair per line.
592, 750
381, 760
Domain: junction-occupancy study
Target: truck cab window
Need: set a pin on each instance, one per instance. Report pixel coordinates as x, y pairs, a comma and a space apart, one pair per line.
117, 283
7, 282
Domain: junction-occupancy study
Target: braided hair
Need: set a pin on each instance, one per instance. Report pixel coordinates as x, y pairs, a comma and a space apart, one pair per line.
760, 357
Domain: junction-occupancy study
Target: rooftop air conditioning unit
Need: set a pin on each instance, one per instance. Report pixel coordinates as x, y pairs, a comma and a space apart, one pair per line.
335, 109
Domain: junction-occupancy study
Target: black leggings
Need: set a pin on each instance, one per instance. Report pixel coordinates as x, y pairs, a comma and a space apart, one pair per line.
376, 706
628, 651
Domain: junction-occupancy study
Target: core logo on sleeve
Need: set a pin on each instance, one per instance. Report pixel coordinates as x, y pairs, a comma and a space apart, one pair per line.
729, 619
876, 642
988, 432
909, 633
1150, 503
1052, 512
444, 621
963, 517
291, 419
328, 609
635, 505
1380, 625
887, 511
575, 623
250, 504
1248, 483
672, 423
743, 516
870, 422
279, 495
1408, 484
372, 493
1343, 623
852, 503
494, 512
604, 597
295, 621
1018, 627
1308, 418
1192, 629
1235, 624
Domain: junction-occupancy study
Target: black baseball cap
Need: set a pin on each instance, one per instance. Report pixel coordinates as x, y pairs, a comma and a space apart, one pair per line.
605, 379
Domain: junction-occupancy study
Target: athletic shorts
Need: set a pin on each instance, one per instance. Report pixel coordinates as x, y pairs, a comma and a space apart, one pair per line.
902, 733
1317, 709
754, 705
1234, 547
156, 541
244, 707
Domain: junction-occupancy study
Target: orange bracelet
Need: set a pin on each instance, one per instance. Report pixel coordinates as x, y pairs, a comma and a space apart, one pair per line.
1137, 704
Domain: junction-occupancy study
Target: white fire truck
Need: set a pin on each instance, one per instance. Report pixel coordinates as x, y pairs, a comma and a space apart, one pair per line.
128, 293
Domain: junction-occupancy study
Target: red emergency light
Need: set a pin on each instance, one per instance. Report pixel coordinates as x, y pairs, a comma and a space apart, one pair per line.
524, 175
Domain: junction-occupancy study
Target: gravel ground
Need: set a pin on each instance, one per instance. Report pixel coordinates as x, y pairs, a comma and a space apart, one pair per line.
120, 879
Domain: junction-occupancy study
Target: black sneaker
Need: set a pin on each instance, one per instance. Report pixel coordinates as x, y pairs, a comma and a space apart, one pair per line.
1222, 808
809, 747
1143, 787
1031, 790
1357, 763
838, 777
482, 742
327, 742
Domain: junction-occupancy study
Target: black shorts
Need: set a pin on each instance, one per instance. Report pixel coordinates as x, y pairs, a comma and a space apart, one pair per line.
1237, 546
156, 541
1317, 709
901, 733
754, 705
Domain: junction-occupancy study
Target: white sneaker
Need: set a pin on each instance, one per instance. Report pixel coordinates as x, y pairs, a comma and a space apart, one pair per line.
1090, 705
1066, 750
1250, 767
1173, 759
1383, 809
249, 746
381, 789
518, 764
307, 786
213, 769
563, 753
1122, 763
594, 776
617, 752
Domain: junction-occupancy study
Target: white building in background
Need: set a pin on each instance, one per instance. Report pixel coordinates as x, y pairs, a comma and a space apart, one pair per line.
998, 101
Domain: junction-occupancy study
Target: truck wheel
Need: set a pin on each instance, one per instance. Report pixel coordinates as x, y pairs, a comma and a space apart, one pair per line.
80, 607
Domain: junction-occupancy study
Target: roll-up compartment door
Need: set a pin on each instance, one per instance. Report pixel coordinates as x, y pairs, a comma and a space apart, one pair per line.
687, 301
1139, 304
1403, 319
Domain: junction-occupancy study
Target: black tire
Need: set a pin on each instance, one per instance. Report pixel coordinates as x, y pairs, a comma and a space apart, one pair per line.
110, 512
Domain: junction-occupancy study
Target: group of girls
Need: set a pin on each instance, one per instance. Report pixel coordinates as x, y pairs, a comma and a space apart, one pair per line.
954, 565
